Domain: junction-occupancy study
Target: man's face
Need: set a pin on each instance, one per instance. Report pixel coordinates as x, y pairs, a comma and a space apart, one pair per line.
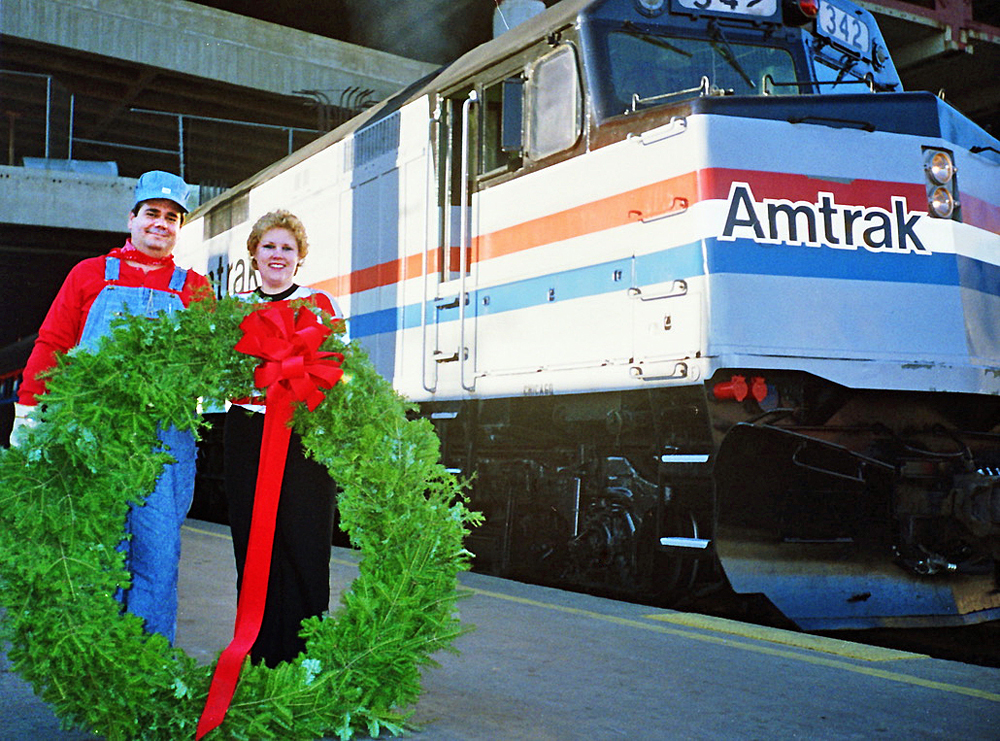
154, 227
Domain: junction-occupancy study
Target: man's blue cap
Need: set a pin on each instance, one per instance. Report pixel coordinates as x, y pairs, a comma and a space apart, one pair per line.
160, 184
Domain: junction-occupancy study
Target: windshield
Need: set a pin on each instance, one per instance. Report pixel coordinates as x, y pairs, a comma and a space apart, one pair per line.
642, 67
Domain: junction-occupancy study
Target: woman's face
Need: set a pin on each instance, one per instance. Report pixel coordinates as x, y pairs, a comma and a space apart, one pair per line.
277, 256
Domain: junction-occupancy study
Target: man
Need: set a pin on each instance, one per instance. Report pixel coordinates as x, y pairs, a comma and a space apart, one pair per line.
138, 278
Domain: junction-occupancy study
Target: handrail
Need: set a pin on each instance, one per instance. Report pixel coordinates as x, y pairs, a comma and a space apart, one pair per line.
705, 88
464, 241
430, 190
768, 82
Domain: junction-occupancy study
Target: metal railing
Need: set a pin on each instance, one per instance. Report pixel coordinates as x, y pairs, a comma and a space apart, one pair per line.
61, 138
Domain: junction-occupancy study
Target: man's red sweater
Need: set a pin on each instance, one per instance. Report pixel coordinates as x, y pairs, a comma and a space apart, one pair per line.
63, 325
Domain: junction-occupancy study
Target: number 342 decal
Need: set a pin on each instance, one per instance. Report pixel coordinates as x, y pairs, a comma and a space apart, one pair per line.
843, 28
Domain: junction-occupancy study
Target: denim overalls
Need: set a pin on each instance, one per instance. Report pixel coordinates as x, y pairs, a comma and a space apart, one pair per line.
152, 556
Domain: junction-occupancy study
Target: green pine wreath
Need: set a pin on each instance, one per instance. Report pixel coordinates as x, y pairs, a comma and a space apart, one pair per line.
64, 495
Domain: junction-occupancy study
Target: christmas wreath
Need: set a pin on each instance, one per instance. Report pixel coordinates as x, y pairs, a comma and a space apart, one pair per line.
64, 494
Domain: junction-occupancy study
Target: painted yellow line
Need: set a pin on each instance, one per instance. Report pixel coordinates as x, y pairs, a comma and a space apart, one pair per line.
724, 626
846, 649
344, 562
656, 627
224, 536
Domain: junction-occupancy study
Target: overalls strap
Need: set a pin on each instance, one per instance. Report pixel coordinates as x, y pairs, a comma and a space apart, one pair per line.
112, 268
178, 279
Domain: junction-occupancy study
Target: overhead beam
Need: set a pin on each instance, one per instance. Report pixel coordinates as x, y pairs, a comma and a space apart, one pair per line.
195, 40
940, 43
951, 23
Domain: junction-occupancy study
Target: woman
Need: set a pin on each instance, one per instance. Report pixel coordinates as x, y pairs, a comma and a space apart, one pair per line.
299, 582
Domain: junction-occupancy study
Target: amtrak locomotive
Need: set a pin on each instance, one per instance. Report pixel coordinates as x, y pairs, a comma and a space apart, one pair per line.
696, 295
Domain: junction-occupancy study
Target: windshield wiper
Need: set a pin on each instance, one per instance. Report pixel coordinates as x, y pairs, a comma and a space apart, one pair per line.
729, 56
632, 30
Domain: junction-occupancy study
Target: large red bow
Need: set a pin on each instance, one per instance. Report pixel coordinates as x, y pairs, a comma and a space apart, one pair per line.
294, 369
289, 346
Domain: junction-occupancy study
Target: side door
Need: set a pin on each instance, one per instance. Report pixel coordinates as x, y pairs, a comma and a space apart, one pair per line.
448, 327
478, 143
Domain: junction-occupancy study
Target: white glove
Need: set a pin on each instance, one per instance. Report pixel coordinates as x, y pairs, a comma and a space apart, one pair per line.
22, 423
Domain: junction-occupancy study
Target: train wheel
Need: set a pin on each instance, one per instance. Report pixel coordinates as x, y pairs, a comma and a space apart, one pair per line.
538, 544
604, 555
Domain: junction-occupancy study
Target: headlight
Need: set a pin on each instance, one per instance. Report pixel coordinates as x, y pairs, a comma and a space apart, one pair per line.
651, 8
938, 166
941, 203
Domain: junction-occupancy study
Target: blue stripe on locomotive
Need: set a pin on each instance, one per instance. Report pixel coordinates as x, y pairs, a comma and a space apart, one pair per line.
740, 257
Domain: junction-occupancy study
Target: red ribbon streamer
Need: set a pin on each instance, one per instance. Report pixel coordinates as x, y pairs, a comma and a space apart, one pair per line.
293, 370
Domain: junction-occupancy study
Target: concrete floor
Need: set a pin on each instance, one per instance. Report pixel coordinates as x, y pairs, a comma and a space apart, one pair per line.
548, 665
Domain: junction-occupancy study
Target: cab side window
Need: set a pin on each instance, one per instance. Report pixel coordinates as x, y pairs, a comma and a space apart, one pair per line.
554, 104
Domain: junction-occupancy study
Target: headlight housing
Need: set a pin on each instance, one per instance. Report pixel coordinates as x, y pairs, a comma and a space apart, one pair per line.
940, 184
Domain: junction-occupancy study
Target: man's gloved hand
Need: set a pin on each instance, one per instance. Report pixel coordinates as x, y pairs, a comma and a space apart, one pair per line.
22, 422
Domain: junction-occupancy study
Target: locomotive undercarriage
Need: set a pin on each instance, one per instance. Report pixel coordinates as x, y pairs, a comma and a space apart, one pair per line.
574, 493
825, 500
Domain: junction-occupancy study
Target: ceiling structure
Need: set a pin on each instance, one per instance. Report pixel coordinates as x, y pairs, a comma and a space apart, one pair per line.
109, 99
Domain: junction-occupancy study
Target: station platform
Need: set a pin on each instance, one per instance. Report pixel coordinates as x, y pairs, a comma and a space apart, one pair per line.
548, 665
